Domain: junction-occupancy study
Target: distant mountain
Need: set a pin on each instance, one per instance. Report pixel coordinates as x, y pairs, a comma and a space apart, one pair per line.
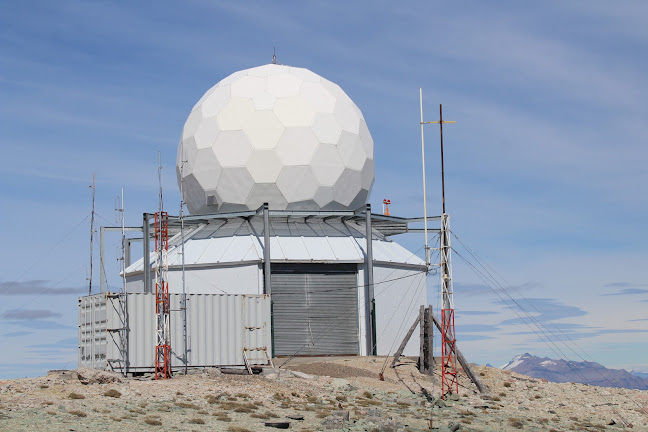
572, 371
643, 375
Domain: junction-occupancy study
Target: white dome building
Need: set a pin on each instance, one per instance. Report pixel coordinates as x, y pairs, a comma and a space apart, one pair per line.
337, 283
276, 134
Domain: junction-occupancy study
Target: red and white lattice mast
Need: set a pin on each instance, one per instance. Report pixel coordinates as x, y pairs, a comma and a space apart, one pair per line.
162, 306
449, 379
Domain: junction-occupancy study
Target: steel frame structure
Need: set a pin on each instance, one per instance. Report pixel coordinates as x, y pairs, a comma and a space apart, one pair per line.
162, 304
449, 379
386, 225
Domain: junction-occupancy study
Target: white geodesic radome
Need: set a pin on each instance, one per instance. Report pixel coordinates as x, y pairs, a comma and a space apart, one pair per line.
277, 134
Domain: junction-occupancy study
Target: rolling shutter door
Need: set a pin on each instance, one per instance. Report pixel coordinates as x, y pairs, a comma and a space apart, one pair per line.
315, 313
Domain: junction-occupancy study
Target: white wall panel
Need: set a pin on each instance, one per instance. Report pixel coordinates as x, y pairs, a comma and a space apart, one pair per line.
399, 293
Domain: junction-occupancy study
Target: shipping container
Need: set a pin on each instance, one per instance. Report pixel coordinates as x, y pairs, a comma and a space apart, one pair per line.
117, 331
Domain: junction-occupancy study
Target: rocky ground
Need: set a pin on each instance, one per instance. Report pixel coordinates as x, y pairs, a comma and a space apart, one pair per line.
313, 395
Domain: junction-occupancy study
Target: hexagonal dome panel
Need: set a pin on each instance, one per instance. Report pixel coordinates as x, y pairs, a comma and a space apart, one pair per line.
276, 134
297, 146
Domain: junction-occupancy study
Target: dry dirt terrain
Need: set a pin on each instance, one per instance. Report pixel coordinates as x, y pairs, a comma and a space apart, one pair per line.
313, 395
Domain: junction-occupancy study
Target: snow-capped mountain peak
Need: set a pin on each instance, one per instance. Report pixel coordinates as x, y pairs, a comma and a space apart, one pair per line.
516, 361
574, 371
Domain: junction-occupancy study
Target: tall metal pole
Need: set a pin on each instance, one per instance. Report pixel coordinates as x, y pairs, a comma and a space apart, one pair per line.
146, 252
102, 254
442, 171
123, 333
266, 250
160, 200
123, 242
427, 248
184, 289
91, 232
369, 292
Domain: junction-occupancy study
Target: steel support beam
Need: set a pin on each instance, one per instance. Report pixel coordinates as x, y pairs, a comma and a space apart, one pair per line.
146, 253
369, 292
266, 250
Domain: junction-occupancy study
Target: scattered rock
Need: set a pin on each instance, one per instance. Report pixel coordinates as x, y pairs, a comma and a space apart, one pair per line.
234, 371
373, 415
274, 373
302, 375
451, 427
278, 425
65, 375
92, 376
404, 393
440, 403
340, 382
344, 414
307, 402
213, 372
333, 422
454, 426
390, 426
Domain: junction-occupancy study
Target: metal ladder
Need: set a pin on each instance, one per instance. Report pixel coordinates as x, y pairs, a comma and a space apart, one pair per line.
247, 329
247, 361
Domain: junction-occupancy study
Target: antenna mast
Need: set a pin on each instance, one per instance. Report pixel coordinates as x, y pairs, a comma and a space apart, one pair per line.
427, 248
184, 289
91, 232
123, 304
162, 306
123, 242
449, 379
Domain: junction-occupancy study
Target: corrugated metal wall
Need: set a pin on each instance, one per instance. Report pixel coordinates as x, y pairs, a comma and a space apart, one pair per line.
92, 331
315, 312
219, 326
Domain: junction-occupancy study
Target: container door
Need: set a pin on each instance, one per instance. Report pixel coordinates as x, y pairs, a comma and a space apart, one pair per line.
315, 310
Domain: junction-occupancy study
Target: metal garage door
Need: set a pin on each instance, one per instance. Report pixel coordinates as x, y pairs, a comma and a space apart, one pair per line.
315, 310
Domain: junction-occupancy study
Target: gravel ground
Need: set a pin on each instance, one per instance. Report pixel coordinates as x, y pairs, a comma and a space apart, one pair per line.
330, 394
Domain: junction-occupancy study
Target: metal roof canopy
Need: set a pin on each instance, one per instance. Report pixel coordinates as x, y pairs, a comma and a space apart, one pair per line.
382, 225
385, 225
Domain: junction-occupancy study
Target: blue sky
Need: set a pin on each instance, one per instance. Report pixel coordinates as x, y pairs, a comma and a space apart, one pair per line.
546, 166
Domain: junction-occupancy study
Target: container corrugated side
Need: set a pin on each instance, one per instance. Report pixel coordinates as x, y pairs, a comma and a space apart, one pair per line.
219, 326
92, 331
